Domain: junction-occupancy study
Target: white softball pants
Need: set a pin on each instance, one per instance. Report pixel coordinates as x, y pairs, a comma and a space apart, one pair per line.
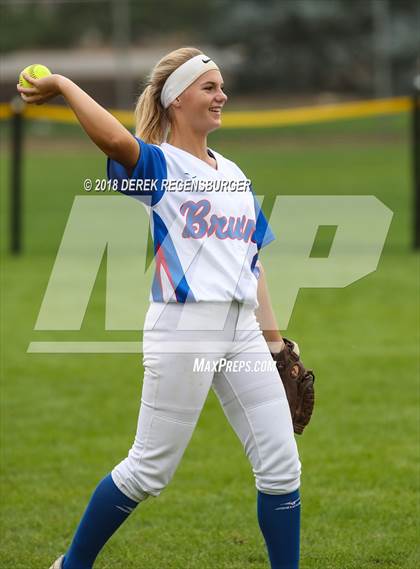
176, 338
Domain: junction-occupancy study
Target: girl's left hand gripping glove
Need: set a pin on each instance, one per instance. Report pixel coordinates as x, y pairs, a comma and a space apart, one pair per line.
298, 383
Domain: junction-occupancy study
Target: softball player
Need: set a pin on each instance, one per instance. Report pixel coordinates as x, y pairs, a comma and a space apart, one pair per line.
210, 323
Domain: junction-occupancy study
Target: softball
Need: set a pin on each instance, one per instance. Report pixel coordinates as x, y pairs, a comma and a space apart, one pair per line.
36, 71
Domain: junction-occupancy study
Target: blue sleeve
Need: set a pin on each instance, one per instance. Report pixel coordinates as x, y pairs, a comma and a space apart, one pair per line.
263, 234
145, 181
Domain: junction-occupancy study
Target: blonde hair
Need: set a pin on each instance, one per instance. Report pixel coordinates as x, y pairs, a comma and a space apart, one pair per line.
152, 120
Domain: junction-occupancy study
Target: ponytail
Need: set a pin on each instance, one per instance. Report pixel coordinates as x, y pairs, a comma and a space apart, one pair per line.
151, 118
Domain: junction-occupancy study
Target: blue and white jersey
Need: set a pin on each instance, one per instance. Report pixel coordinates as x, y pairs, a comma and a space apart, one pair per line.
206, 237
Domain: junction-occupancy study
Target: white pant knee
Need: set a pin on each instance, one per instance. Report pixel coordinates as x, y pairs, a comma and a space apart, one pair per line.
139, 482
128, 484
280, 472
153, 458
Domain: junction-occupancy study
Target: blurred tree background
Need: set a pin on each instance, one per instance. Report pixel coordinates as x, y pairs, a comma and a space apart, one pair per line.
363, 47
331, 45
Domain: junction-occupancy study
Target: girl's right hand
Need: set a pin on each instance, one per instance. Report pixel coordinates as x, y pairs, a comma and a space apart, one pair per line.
43, 89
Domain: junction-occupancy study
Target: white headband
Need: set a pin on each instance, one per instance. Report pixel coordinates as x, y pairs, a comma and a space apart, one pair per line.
183, 76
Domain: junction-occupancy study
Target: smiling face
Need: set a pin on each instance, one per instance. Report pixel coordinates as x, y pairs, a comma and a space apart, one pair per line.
200, 106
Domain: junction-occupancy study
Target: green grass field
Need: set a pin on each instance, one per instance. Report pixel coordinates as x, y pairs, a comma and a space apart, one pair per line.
67, 419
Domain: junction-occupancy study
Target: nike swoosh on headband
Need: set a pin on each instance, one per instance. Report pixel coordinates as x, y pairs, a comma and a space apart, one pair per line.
183, 76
